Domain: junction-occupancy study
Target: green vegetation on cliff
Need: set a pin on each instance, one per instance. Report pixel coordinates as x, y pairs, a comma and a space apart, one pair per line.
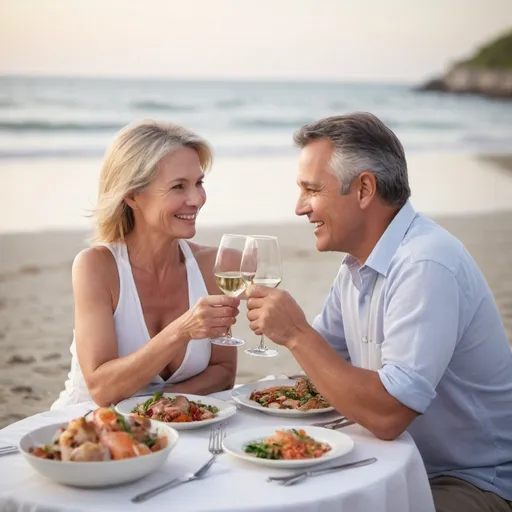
495, 55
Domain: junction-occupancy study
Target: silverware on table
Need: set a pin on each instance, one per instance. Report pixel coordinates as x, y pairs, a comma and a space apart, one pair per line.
214, 447
297, 477
8, 450
341, 424
334, 424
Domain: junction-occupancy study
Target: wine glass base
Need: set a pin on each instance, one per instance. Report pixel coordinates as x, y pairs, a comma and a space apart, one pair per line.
268, 352
227, 341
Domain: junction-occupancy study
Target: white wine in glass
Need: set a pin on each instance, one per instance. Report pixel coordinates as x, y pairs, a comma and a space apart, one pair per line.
261, 265
229, 277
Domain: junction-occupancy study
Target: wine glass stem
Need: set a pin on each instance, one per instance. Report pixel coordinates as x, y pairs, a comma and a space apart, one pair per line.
262, 345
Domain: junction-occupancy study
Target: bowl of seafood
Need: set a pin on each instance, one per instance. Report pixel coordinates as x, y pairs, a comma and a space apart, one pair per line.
101, 449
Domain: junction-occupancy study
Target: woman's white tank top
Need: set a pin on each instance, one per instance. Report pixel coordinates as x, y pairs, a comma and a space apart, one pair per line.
132, 333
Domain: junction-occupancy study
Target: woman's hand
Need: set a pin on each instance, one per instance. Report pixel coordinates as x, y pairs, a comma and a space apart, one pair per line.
211, 317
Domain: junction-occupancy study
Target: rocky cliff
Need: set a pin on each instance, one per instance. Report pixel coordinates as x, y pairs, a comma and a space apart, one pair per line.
488, 72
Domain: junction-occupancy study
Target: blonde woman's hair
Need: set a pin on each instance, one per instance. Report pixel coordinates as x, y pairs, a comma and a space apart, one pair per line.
130, 164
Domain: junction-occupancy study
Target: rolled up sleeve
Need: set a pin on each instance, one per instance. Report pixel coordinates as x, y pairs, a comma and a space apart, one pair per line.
421, 324
329, 323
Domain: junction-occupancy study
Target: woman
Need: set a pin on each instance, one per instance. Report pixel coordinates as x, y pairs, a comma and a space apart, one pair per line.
146, 302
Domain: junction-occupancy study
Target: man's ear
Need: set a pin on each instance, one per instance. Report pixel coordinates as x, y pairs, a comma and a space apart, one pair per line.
367, 189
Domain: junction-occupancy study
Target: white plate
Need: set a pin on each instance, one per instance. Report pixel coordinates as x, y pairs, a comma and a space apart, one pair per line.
242, 394
340, 444
95, 474
225, 409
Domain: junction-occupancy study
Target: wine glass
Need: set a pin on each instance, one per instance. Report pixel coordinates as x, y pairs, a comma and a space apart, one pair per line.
261, 265
229, 278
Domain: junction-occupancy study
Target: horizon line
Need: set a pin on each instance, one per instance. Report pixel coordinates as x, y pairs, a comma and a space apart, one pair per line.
319, 80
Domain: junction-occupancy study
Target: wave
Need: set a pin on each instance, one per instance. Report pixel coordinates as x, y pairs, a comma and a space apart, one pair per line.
484, 141
4, 102
252, 150
338, 106
434, 125
229, 104
271, 123
159, 105
98, 152
30, 153
50, 126
63, 102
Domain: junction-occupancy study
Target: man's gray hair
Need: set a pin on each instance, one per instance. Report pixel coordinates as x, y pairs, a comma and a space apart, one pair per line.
362, 142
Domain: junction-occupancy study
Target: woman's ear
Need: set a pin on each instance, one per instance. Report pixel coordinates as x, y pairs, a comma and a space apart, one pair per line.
130, 201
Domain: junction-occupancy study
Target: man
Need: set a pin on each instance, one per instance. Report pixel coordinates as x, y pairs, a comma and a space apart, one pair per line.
409, 337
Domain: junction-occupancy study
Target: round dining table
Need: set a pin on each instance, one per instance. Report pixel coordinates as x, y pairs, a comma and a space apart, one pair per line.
397, 482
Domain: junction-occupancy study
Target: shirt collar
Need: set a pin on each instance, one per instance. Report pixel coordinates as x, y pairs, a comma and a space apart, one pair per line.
383, 252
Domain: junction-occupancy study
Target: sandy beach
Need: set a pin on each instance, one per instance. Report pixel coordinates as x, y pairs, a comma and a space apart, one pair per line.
36, 303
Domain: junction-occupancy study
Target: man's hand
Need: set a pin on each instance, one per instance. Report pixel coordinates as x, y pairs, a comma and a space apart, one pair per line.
275, 314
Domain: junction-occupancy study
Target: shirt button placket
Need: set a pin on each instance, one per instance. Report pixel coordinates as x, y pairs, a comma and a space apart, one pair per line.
364, 307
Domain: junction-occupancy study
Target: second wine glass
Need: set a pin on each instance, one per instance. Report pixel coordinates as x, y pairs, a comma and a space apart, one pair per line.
229, 279
261, 265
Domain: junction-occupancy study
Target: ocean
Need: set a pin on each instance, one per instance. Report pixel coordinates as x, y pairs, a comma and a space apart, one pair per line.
54, 132
77, 117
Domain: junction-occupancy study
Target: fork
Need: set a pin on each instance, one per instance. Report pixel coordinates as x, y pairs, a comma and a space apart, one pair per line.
7, 450
214, 447
217, 435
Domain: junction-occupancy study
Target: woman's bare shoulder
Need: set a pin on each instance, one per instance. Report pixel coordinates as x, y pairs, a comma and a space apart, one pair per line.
94, 261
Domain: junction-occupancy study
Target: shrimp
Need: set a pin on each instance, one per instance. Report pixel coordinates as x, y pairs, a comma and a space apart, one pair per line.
122, 445
78, 432
160, 444
90, 452
281, 437
104, 418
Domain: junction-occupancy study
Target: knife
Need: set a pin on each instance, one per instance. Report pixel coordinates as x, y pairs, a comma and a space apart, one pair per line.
143, 496
8, 450
293, 479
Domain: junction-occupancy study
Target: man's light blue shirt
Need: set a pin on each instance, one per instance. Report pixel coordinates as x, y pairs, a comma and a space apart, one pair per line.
420, 312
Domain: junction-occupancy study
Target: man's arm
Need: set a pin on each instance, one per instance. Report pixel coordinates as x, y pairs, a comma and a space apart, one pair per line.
355, 392
420, 333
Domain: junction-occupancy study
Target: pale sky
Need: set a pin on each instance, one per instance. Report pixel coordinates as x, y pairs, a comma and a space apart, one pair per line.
391, 40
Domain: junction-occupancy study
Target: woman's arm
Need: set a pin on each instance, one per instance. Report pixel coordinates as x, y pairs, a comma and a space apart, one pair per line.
111, 378
220, 373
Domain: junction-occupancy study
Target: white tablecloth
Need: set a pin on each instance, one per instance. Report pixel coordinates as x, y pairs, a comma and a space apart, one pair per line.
396, 483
